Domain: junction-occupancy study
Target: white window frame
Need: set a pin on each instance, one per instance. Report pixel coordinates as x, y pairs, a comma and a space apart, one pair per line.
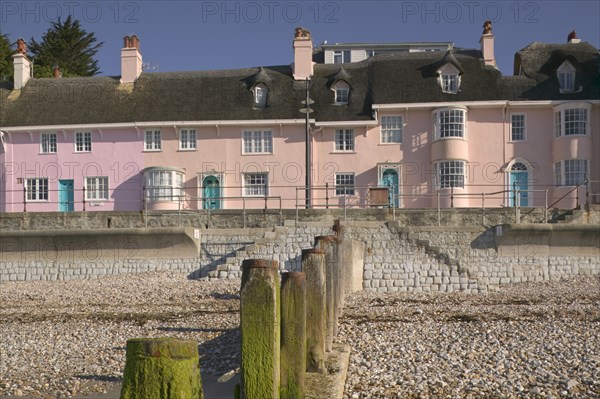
257, 141
345, 184
391, 129
342, 56
571, 172
36, 189
260, 92
453, 164
163, 185
83, 141
564, 123
445, 113
566, 77
343, 140
341, 91
253, 188
449, 79
514, 125
188, 140
48, 143
152, 140
96, 188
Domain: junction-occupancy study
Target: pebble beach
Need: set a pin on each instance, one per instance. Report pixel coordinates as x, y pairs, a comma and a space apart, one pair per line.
532, 340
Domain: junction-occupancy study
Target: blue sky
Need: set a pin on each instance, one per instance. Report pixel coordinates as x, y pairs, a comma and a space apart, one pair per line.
203, 35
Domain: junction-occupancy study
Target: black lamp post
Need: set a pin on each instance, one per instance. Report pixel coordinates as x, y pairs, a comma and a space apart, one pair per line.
307, 111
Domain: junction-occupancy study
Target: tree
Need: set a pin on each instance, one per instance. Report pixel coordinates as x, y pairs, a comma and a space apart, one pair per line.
6, 62
67, 45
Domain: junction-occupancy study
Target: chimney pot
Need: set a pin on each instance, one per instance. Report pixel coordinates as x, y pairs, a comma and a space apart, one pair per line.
21, 46
126, 42
135, 42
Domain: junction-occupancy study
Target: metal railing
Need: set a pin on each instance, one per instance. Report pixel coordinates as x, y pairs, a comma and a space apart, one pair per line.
407, 197
181, 199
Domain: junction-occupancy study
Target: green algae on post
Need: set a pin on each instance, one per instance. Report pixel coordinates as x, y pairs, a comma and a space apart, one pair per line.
260, 329
162, 368
293, 335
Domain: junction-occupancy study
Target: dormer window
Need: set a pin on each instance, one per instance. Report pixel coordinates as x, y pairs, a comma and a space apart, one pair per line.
450, 83
342, 92
566, 77
449, 79
260, 95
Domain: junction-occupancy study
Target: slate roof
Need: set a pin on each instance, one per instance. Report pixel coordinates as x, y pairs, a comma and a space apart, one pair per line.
539, 61
226, 94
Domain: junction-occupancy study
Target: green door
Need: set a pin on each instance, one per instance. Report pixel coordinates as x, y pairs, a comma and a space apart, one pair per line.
519, 180
66, 196
211, 193
389, 179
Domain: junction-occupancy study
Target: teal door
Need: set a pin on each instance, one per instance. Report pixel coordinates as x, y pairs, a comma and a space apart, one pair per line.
389, 178
211, 193
66, 198
519, 180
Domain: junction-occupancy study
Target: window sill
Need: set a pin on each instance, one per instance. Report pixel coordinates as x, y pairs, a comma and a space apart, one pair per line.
257, 153
389, 144
343, 152
187, 150
82, 152
152, 151
449, 138
564, 136
517, 141
47, 153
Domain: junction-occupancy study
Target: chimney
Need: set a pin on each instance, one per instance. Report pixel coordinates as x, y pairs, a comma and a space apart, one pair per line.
22, 65
131, 59
487, 45
56, 72
303, 48
572, 37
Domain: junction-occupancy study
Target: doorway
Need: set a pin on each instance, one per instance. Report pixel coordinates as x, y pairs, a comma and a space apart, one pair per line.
518, 180
390, 179
66, 197
211, 192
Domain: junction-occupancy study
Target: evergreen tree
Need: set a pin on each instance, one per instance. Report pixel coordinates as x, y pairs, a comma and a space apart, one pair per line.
67, 45
6, 62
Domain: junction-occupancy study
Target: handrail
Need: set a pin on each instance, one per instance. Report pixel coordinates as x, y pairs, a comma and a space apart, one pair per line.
569, 192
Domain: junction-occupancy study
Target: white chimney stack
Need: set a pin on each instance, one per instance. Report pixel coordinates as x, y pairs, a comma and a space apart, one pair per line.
22, 65
303, 48
487, 45
131, 59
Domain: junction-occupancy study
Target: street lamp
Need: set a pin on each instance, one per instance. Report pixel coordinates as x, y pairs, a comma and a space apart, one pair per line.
307, 111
